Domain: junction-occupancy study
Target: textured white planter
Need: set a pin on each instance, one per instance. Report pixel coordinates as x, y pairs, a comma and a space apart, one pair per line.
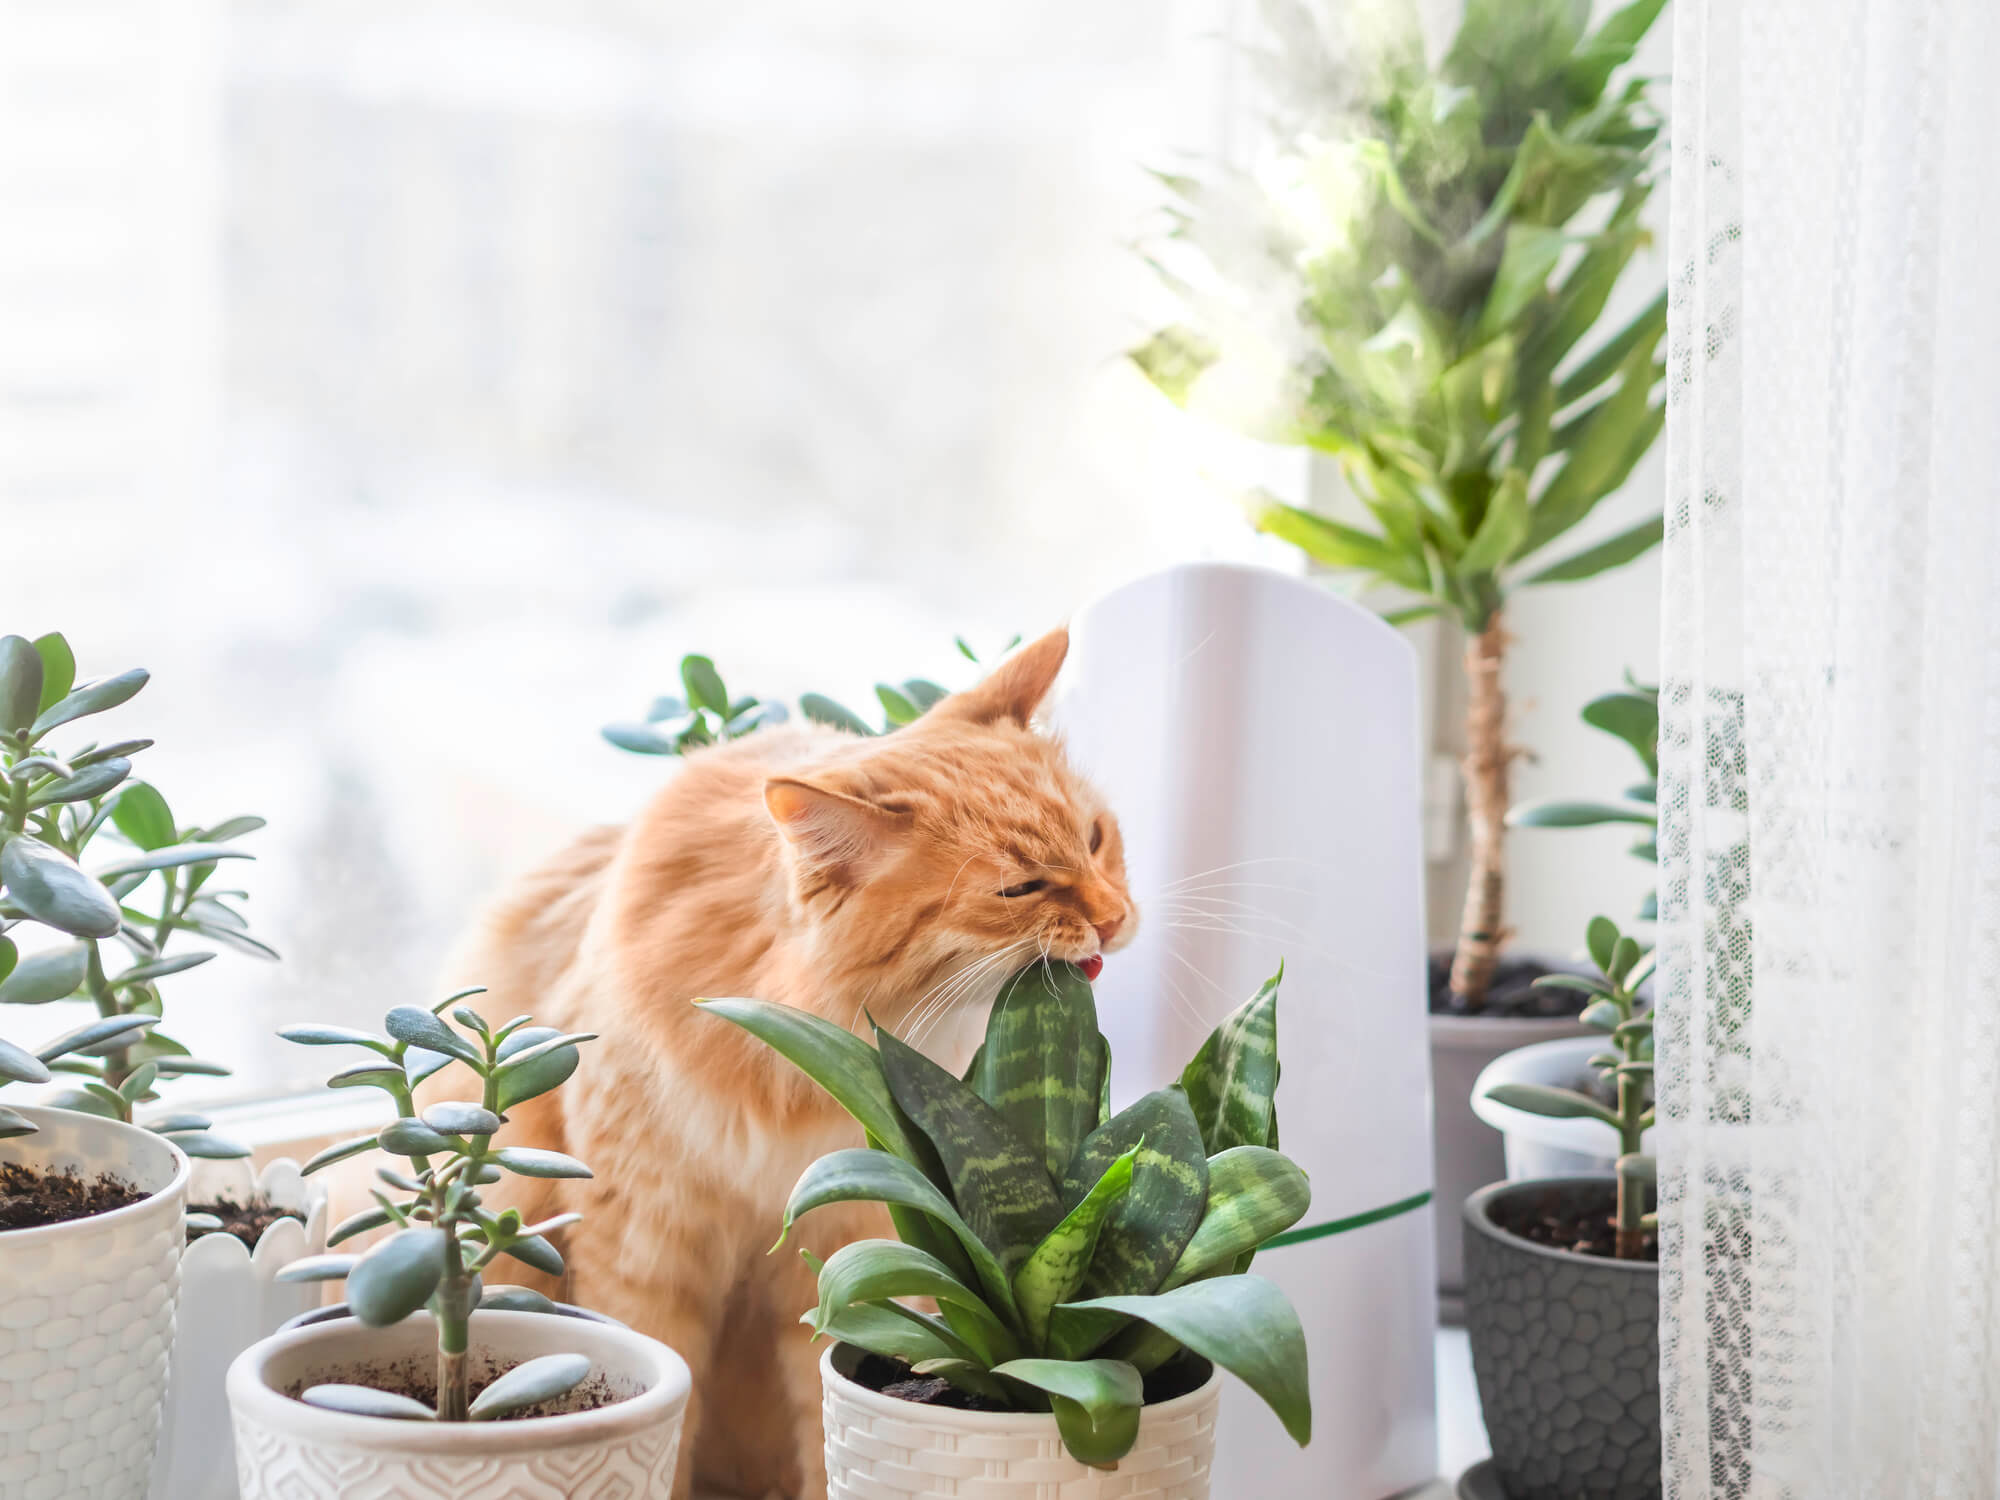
882, 1448
1537, 1146
230, 1298
286, 1450
87, 1317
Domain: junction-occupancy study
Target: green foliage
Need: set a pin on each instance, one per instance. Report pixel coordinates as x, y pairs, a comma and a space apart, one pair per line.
709, 715
1409, 286
1631, 716
1070, 1251
151, 895
445, 1236
1624, 964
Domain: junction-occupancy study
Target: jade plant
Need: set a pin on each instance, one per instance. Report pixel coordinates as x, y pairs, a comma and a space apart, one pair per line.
707, 713
444, 1235
1410, 284
1626, 1066
1633, 717
150, 896
1071, 1252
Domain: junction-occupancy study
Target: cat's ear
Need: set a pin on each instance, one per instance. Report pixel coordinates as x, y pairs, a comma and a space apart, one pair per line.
1015, 688
831, 830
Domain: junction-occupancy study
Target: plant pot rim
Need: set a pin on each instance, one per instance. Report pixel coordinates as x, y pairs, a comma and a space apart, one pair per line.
117, 1217
953, 1419
1480, 1029
1590, 1137
1479, 1218
335, 1312
252, 1395
280, 1173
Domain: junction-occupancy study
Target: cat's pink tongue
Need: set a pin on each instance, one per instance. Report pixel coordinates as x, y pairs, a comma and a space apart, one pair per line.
1092, 966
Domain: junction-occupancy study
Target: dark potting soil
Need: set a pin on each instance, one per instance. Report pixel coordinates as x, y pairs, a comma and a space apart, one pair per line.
417, 1379
1568, 1219
31, 1198
1511, 996
247, 1221
892, 1377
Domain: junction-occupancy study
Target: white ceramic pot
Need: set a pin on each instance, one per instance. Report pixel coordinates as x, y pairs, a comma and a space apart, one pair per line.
1535, 1145
1468, 1153
87, 1316
230, 1298
286, 1450
882, 1448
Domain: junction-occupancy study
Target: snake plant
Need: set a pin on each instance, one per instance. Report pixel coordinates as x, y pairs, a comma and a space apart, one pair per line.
1071, 1251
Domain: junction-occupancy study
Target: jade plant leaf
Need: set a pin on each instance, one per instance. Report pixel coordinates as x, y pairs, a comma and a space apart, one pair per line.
53, 974
366, 1401
396, 1277
1153, 1223
1233, 1081
1040, 1066
530, 1384
46, 884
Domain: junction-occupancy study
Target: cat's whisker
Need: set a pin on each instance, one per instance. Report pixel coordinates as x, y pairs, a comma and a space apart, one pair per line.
1242, 864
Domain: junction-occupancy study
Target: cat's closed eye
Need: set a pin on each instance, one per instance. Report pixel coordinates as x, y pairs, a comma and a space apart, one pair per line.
1097, 835
1025, 888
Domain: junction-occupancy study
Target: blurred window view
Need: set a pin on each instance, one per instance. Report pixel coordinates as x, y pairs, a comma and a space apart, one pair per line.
450, 369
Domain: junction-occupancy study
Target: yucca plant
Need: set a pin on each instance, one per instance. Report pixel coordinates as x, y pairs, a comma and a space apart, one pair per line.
152, 896
1071, 1251
1408, 285
1623, 965
1633, 717
444, 1235
710, 714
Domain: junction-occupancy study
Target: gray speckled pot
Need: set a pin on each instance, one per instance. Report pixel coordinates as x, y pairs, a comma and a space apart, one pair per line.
1566, 1349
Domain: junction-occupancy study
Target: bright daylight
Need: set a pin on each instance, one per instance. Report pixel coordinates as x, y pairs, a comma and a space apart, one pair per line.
1131, 750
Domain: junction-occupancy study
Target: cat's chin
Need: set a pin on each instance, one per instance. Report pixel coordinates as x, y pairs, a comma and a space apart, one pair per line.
1092, 966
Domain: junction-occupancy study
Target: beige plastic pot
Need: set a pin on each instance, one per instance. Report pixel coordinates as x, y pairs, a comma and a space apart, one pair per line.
882, 1448
286, 1450
87, 1316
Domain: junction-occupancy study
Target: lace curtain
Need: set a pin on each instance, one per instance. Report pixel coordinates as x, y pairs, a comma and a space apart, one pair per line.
1830, 846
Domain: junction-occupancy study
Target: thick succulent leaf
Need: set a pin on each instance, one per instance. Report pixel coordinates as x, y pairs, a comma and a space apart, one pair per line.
46, 884
1252, 1194
58, 669
821, 709
461, 1117
173, 857
20, 682
91, 698
333, 1036
529, 1384
212, 1147
877, 1177
361, 1223
366, 1401
533, 1250
17, 1066
872, 1270
1039, 1065
997, 1179
1154, 1221
1242, 1323
412, 1138
91, 781
1560, 814
142, 815
512, 1299
1233, 1081
105, 1030
528, 1161
338, 1153
838, 1061
1055, 1270
396, 1277
1551, 1102
160, 968
883, 1328
13, 1123
521, 1081
419, 1028
53, 974
1096, 1403
318, 1268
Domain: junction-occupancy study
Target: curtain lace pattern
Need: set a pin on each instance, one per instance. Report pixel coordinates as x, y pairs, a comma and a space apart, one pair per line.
1829, 1007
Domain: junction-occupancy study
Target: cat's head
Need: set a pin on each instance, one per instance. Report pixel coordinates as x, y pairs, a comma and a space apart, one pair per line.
935, 861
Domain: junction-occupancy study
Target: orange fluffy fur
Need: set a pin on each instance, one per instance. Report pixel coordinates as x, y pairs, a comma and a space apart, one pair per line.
813, 868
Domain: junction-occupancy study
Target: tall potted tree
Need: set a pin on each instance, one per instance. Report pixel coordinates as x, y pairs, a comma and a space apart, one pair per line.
1409, 283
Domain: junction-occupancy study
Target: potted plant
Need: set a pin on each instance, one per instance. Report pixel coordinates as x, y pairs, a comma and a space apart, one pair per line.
1562, 1274
433, 1387
1408, 284
1088, 1267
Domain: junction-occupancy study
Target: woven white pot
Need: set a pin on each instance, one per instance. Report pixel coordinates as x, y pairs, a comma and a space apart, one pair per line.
882, 1448
87, 1317
230, 1298
286, 1450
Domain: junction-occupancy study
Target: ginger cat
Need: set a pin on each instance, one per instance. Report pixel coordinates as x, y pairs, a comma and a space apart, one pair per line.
907, 875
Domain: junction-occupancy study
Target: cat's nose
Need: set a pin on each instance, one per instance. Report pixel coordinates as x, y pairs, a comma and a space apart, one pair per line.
1106, 931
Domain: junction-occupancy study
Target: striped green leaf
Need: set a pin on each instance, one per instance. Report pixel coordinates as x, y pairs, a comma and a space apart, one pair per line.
996, 1177
877, 1177
1039, 1065
1056, 1270
1252, 1194
1242, 1323
1096, 1403
1233, 1080
873, 1270
1155, 1220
